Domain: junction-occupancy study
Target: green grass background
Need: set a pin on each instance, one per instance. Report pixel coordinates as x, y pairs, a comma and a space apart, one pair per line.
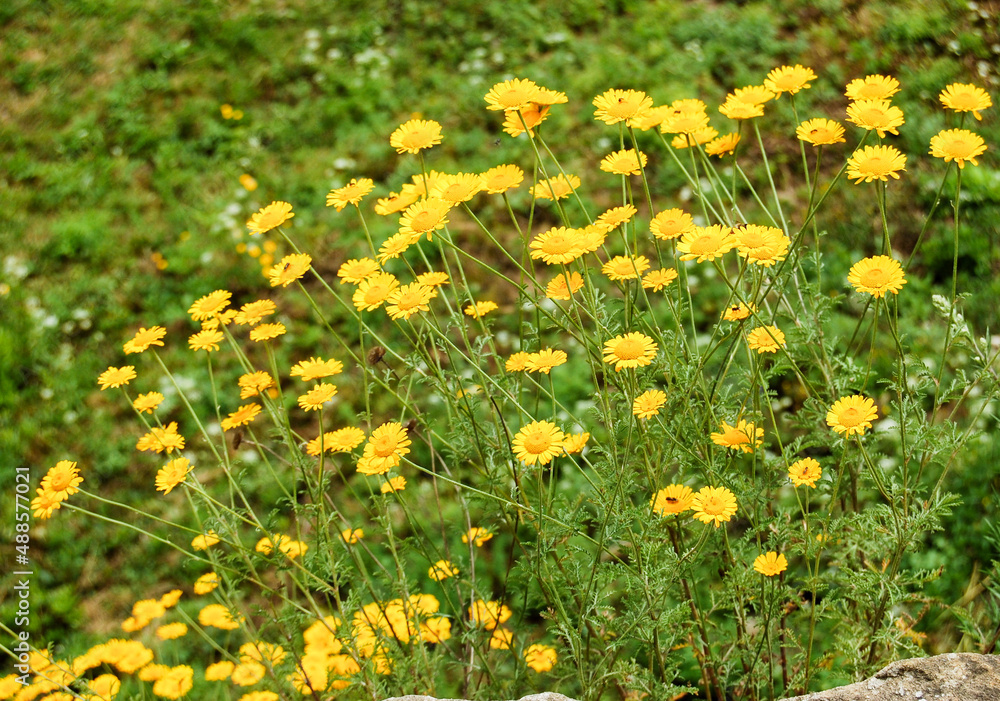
113, 149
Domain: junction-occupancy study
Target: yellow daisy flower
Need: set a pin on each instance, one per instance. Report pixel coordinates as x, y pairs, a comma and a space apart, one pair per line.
706, 243
765, 339
265, 332
544, 360
714, 504
739, 110
880, 116
241, 417
403, 302
253, 383
270, 217
656, 280
575, 442
116, 377
415, 135
563, 286
674, 499
541, 658
722, 145
626, 162
648, 404
872, 87
211, 304
374, 290
877, 276
693, 138
441, 570
962, 97
625, 267
458, 188
770, 564
314, 399
356, 270
499, 179
789, 79
538, 442
393, 484
206, 340
959, 145
616, 216
512, 95
343, 440
671, 224
631, 350
744, 436
252, 313
290, 269
820, 132
351, 193
555, 188
162, 439
615, 106
875, 163
384, 449
172, 474
517, 362
480, 309
737, 311
147, 403
62, 480
805, 472
144, 338
559, 244
852, 415
477, 536
761, 245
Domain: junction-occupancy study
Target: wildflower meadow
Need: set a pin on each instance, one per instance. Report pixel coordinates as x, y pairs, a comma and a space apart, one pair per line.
624, 427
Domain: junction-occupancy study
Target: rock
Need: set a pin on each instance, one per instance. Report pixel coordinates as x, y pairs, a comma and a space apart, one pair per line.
958, 676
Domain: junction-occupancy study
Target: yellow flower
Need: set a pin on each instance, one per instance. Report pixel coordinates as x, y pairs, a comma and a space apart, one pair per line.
538, 442
356, 270
171, 631
248, 182
544, 360
207, 340
875, 163
252, 313
686, 117
501, 639
656, 280
770, 564
352, 535
706, 243
648, 404
626, 162
674, 499
564, 286
480, 309
959, 145
315, 368
722, 145
716, 504
395, 202
489, 614
744, 436
343, 440
765, 339
789, 79
384, 449
247, 673
394, 246
762, 245
738, 312
374, 290
540, 658
852, 415
211, 304
270, 217
218, 616
433, 279
290, 269
962, 97
351, 193
671, 224
625, 268
44, 504
405, 301
116, 377
555, 188
145, 338
615, 106
877, 276
631, 350
442, 569
512, 95
575, 442
477, 536
62, 480
615, 217
754, 94
820, 132
205, 584
314, 399
147, 403
517, 362
253, 383
241, 417
872, 87
737, 109
689, 139
172, 474
424, 217
265, 332
457, 188
879, 116
393, 484
162, 439
805, 472
204, 541
415, 135
219, 671
499, 179
559, 244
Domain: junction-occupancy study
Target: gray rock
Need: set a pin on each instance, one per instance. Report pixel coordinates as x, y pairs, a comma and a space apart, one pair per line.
958, 676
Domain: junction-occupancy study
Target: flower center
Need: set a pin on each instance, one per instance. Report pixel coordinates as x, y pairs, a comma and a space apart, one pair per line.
537, 443
704, 244
713, 506
376, 293
876, 164
384, 446
628, 349
61, 481
873, 277
736, 437
850, 417
558, 243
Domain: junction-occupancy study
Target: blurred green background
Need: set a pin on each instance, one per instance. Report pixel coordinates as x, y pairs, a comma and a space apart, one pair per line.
119, 180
